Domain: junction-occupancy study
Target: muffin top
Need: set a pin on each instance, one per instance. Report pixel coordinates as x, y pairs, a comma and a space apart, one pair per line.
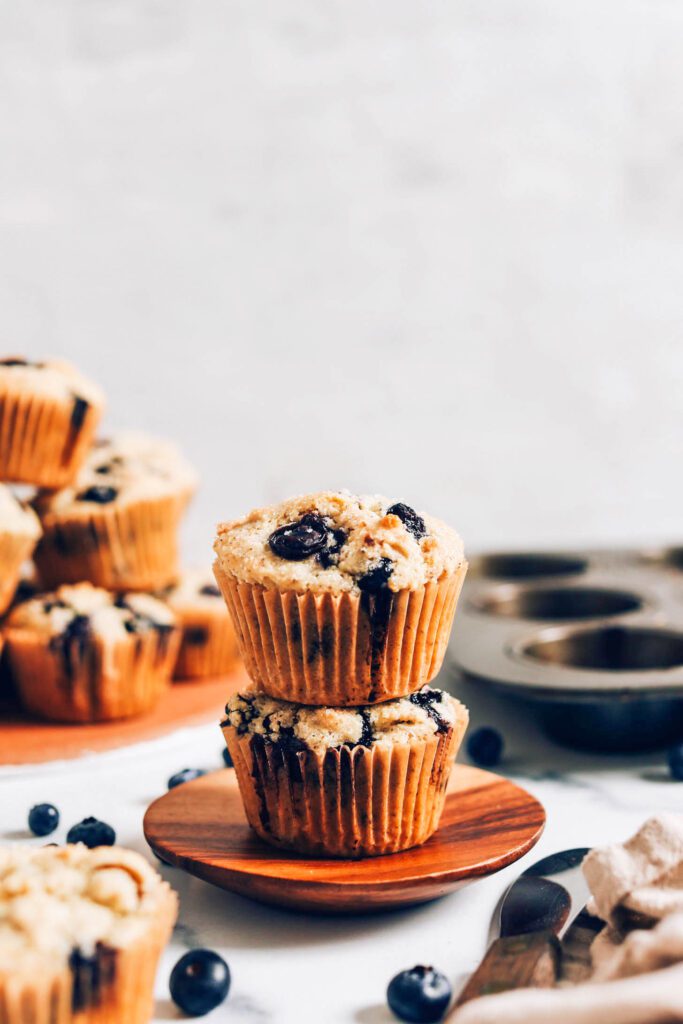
297, 726
17, 518
51, 378
82, 610
55, 900
336, 541
195, 590
128, 468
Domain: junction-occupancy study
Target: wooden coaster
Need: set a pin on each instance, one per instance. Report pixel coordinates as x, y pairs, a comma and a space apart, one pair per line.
25, 740
488, 822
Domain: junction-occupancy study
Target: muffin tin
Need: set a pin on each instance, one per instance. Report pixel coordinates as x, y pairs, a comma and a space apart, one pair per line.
592, 641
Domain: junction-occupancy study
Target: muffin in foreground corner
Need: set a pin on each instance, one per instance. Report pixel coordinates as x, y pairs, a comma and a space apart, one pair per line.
208, 646
338, 599
344, 782
48, 416
19, 533
116, 525
83, 654
81, 933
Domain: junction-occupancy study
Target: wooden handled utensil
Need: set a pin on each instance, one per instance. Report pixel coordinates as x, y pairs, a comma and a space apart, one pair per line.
533, 915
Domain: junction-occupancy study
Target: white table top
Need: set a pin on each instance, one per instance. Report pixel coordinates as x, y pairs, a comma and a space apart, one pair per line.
290, 967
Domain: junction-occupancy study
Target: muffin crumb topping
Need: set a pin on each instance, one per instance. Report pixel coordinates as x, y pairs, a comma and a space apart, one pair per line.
298, 726
335, 541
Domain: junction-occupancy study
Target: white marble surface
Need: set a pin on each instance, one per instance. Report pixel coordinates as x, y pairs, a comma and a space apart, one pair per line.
292, 968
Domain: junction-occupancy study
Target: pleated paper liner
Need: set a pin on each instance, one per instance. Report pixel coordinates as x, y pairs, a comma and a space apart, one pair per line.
208, 646
15, 548
342, 649
113, 986
347, 801
90, 680
44, 439
128, 546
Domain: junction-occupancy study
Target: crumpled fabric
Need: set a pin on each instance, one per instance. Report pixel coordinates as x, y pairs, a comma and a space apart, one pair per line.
638, 977
643, 875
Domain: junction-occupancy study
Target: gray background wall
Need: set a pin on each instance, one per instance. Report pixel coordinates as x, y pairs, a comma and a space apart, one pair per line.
428, 249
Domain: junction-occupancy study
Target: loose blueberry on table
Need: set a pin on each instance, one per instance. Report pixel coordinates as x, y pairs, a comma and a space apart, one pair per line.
227, 758
420, 994
675, 758
92, 833
485, 746
185, 775
199, 982
43, 819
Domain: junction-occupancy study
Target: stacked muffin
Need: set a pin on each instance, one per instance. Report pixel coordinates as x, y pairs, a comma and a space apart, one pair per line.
342, 607
97, 638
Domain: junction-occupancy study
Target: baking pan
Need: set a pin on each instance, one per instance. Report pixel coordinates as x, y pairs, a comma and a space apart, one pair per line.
591, 641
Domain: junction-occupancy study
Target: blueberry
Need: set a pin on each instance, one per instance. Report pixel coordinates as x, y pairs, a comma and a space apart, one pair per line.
210, 590
227, 758
377, 577
300, 540
43, 819
485, 746
99, 493
413, 522
186, 775
199, 982
91, 832
336, 538
675, 758
420, 994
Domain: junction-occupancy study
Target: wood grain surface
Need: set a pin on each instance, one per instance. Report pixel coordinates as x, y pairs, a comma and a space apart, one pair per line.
27, 741
488, 822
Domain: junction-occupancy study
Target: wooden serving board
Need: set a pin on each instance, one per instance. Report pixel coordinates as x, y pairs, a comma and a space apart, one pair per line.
488, 822
25, 740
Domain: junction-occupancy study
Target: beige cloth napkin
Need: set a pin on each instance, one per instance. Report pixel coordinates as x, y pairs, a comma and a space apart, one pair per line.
637, 977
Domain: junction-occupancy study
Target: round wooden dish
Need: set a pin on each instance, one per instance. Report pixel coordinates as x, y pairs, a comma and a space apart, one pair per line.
25, 740
488, 822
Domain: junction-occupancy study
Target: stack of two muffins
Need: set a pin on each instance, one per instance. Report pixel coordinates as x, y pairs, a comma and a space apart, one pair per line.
343, 607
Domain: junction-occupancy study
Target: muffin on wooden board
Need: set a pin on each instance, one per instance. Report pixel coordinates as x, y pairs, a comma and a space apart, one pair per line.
19, 533
117, 524
49, 413
344, 782
339, 599
208, 646
84, 654
81, 933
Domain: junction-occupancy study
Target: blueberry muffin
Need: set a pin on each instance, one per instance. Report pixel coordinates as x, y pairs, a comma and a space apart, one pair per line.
83, 654
48, 416
116, 525
19, 533
208, 646
344, 782
339, 599
81, 933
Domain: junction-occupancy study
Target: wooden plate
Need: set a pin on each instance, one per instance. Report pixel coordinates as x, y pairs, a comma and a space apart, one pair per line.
25, 740
488, 822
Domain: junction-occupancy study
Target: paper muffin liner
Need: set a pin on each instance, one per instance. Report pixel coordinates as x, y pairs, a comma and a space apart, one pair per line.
208, 646
346, 801
342, 649
15, 548
90, 680
112, 987
131, 546
43, 439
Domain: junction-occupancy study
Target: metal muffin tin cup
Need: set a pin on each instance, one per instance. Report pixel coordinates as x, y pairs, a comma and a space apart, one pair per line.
591, 641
